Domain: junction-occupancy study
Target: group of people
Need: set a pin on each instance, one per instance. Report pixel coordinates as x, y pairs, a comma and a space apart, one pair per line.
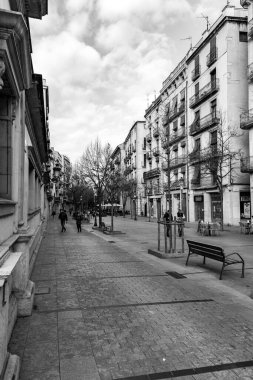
64, 218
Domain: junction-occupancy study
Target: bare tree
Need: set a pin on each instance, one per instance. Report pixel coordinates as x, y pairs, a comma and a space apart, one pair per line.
94, 167
128, 189
220, 163
113, 189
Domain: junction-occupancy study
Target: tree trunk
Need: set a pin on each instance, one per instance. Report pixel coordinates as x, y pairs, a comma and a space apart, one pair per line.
112, 218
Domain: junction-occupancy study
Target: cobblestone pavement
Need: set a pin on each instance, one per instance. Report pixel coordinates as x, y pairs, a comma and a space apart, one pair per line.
106, 310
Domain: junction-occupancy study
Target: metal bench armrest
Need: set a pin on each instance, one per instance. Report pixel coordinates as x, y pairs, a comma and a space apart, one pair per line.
234, 253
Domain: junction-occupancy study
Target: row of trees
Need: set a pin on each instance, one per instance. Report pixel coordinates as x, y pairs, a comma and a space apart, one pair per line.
96, 179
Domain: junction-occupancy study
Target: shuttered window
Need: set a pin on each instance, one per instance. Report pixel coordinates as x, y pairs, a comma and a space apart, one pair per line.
5, 147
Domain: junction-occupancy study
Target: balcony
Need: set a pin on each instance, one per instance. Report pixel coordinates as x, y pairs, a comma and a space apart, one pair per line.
156, 152
204, 93
250, 72
133, 166
195, 181
151, 173
175, 137
212, 57
177, 184
245, 3
247, 164
156, 132
165, 120
194, 156
178, 161
144, 146
149, 138
176, 112
204, 123
196, 73
165, 144
246, 119
134, 148
182, 120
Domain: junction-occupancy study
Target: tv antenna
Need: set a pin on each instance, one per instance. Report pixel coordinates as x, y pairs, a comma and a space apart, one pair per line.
207, 20
187, 38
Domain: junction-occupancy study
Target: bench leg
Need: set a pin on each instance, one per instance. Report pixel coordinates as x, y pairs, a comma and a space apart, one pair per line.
223, 265
187, 258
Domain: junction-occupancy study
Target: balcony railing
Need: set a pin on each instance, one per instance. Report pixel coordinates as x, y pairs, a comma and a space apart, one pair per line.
250, 72
175, 137
177, 184
204, 93
204, 123
194, 155
152, 173
176, 112
149, 138
178, 161
247, 164
156, 132
156, 152
245, 3
246, 119
196, 72
212, 57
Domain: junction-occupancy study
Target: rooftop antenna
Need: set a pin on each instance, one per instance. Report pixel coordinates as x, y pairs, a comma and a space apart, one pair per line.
207, 20
187, 38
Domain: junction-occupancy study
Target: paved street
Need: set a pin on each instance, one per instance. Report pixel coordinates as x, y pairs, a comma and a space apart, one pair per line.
105, 309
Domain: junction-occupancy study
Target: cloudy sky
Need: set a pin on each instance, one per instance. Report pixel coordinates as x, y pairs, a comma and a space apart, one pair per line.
103, 60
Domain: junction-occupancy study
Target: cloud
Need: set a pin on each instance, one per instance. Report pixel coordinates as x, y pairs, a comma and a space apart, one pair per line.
101, 58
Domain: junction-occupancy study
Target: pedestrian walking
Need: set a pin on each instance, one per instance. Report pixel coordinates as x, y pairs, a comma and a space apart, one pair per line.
79, 222
180, 215
166, 218
53, 214
63, 218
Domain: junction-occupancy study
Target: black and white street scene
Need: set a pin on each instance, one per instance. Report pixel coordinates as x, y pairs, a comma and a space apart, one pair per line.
126, 181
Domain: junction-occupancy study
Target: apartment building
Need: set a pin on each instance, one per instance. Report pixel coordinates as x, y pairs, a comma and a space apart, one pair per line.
217, 94
246, 120
133, 164
24, 145
175, 147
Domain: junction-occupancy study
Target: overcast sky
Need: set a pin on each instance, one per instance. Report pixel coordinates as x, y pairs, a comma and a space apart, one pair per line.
102, 59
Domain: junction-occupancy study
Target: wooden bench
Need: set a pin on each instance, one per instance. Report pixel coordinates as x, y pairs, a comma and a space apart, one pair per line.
215, 253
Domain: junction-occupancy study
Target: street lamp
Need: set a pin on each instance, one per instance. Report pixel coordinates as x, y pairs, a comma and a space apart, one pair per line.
81, 201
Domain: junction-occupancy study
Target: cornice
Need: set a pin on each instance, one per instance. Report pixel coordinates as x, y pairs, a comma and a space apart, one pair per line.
15, 36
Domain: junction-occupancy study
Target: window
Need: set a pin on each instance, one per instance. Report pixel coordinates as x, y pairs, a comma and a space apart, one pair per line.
174, 102
197, 117
213, 79
243, 36
196, 89
5, 147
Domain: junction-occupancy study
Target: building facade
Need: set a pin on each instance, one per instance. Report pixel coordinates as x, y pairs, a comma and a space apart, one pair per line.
24, 147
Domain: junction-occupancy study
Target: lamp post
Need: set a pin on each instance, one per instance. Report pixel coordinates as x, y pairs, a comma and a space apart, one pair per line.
81, 201
135, 210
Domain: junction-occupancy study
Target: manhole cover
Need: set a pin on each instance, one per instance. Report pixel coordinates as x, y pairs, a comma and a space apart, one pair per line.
175, 274
41, 291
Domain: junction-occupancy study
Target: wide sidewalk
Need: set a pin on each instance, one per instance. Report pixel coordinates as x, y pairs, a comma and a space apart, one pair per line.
105, 309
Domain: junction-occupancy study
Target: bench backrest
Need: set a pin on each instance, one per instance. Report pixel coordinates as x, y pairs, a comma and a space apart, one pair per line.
207, 250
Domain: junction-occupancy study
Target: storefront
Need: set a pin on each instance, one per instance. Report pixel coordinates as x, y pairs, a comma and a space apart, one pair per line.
216, 211
245, 206
199, 207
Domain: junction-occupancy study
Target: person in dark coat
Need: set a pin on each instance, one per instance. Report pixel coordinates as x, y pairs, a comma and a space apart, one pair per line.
166, 218
63, 218
79, 222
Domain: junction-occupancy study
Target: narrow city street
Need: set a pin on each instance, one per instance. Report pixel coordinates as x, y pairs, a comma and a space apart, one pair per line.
105, 309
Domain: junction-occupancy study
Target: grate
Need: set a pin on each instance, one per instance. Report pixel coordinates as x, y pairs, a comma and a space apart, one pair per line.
175, 275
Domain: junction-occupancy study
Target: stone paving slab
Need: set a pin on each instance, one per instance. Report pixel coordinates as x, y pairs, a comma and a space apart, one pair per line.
112, 313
